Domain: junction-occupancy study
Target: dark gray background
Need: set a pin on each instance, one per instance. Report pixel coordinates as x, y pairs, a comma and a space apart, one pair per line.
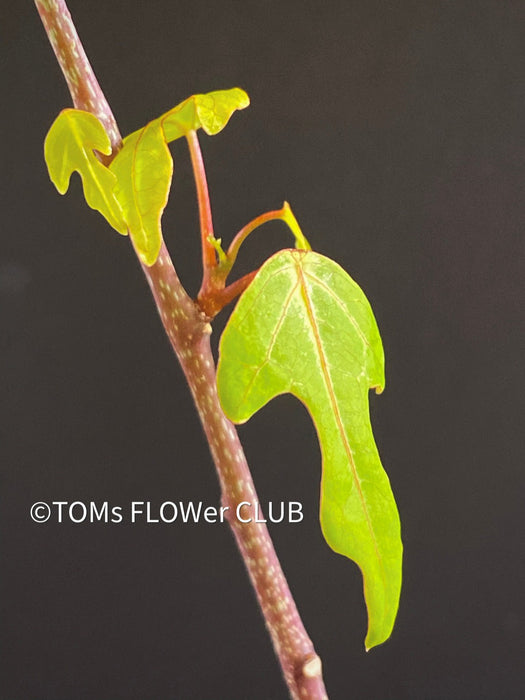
397, 132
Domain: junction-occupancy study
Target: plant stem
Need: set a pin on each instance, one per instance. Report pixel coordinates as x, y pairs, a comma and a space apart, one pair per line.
189, 333
284, 214
209, 260
77, 70
190, 337
243, 234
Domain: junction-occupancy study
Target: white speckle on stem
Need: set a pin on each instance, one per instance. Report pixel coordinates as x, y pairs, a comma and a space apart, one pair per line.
312, 668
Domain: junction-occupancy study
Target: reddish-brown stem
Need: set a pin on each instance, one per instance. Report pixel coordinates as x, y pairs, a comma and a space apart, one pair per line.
79, 75
189, 334
209, 260
213, 295
245, 231
220, 297
284, 214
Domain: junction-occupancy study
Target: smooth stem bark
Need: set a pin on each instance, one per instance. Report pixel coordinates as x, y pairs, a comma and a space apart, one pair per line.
203, 199
189, 334
284, 214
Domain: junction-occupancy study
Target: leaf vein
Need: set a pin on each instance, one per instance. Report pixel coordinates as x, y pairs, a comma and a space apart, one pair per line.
335, 408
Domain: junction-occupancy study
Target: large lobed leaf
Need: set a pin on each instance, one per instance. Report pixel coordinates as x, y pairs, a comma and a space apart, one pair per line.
304, 326
69, 146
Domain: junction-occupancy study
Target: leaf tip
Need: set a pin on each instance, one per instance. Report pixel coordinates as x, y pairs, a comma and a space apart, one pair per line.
374, 640
244, 99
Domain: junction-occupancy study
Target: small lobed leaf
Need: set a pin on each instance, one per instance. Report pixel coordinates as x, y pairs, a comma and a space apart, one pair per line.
144, 169
69, 147
304, 327
133, 192
211, 112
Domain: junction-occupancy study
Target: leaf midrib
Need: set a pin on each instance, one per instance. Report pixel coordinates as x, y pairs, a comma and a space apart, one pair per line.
337, 415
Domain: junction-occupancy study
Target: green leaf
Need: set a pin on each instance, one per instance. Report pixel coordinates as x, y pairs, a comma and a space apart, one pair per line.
68, 147
133, 192
210, 112
144, 168
304, 326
